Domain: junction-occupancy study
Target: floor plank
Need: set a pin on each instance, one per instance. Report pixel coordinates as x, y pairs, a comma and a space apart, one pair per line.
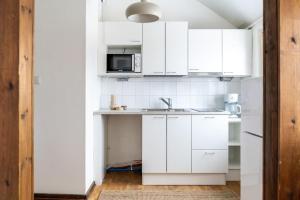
133, 181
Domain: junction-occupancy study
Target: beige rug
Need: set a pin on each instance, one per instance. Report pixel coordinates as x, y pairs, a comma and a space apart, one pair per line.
167, 195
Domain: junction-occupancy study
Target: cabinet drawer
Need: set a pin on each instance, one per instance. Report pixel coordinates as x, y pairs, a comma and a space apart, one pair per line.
209, 161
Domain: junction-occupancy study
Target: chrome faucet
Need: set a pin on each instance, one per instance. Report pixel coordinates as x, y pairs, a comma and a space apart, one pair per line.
167, 101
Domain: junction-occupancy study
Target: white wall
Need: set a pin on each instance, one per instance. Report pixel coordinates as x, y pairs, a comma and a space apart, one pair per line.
68, 93
198, 15
185, 92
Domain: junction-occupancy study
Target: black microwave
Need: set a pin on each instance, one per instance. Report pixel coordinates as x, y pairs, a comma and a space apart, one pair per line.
124, 63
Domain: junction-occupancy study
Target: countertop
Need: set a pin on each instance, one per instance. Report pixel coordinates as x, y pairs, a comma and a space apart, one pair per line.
144, 112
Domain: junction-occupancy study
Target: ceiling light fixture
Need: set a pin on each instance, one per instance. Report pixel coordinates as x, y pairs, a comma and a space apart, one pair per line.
143, 12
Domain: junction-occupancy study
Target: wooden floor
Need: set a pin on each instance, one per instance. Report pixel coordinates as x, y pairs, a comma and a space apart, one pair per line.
133, 181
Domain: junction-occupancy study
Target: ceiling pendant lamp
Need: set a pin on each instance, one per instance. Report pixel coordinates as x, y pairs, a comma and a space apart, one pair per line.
143, 12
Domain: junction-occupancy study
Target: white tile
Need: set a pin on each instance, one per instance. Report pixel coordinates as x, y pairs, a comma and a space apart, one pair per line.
128, 101
128, 88
141, 101
115, 87
170, 88
233, 87
198, 101
105, 101
183, 102
157, 88
199, 88
183, 88
215, 101
154, 102
142, 88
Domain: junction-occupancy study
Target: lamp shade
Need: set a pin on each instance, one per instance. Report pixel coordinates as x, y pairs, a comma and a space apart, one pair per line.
143, 12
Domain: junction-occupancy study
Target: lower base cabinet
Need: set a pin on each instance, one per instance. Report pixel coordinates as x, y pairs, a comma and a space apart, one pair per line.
170, 145
210, 161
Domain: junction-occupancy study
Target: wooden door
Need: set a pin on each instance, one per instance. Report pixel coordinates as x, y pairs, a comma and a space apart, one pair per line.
16, 66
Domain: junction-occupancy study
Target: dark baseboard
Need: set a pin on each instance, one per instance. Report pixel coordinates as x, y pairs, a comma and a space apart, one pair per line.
39, 196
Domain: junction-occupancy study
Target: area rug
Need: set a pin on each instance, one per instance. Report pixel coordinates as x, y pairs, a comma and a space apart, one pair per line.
167, 195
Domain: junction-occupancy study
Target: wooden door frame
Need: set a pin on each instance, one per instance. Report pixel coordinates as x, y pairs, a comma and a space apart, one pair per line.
16, 108
271, 99
11, 180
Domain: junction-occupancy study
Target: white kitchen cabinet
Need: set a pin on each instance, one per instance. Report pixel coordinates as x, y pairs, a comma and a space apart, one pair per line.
154, 143
122, 33
179, 144
210, 132
205, 51
237, 52
176, 48
209, 161
154, 48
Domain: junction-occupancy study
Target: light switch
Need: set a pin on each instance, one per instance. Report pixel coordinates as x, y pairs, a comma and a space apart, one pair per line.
37, 80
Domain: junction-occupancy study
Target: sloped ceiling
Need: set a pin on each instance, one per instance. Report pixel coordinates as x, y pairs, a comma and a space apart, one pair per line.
240, 13
197, 14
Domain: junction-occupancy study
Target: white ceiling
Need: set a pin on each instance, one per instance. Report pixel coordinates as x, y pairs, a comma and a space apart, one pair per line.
240, 13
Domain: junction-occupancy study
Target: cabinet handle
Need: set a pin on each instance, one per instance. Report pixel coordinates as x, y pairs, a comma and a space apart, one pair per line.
209, 117
135, 41
194, 69
171, 72
172, 117
159, 117
209, 153
158, 72
228, 72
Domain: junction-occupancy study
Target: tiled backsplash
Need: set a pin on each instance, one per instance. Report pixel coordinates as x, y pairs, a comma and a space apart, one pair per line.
185, 92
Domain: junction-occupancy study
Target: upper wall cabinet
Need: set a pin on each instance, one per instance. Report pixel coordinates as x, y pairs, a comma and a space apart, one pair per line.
123, 33
237, 52
176, 48
205, 51
165, 48
154, 48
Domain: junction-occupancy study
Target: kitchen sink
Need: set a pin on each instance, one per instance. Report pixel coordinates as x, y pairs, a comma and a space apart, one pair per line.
166, 110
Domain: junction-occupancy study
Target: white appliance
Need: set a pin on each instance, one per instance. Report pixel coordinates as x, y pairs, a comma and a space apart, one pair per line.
231, 104
252, 139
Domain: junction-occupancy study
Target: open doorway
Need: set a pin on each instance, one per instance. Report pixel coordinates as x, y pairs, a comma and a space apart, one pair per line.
271, 114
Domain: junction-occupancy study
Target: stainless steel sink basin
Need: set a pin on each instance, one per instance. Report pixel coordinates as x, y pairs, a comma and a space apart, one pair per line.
166, 110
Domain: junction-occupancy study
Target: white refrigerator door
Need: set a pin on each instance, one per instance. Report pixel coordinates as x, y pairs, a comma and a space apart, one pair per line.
251, 167
252, 105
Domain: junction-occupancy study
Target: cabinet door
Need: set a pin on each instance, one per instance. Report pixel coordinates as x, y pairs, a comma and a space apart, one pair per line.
237, 52
210, 161
154, 144
179, 144
205, 51
123, 33
176, 48
210, 132
154, 48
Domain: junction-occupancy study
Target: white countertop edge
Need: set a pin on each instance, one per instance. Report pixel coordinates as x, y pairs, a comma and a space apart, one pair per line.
142, 112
